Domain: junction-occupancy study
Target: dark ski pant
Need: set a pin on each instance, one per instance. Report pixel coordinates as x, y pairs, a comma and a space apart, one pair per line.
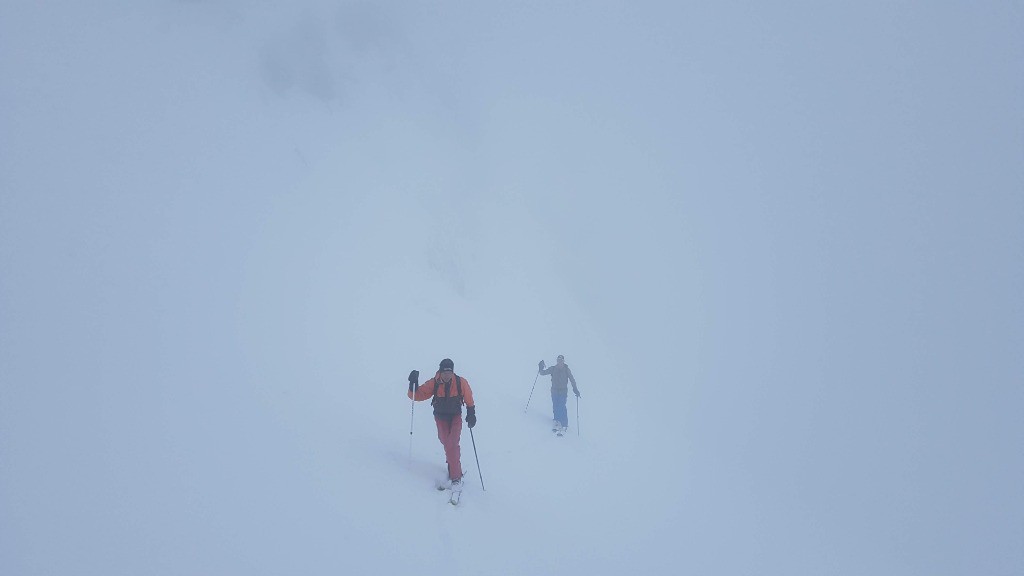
449, 432
558, 407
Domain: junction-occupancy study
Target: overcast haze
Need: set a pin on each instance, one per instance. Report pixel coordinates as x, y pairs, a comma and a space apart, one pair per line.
782, 248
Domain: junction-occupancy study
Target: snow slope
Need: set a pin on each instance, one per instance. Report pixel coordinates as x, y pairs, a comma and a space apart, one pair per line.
779, 246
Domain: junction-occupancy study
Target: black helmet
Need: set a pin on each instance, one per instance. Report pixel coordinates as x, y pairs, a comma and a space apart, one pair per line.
447, 365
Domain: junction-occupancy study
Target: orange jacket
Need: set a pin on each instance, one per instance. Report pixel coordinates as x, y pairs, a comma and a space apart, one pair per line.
426, 390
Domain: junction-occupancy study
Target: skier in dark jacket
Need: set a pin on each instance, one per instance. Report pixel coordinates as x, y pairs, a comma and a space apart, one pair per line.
561, 376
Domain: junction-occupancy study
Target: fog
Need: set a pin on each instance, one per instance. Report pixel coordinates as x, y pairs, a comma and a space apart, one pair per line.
781, 248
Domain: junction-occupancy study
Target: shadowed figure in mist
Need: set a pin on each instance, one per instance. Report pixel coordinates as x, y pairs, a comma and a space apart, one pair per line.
561, 376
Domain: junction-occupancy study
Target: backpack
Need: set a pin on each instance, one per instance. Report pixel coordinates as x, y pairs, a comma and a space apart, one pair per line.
448, 406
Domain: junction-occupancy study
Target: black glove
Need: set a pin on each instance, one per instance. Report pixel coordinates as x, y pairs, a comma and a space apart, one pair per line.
577, 392
540, 366
414, 380
471, 416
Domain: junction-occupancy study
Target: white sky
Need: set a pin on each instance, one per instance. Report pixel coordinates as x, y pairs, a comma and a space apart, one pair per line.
781, 247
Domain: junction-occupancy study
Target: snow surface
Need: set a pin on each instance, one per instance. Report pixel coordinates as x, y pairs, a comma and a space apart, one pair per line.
780, 246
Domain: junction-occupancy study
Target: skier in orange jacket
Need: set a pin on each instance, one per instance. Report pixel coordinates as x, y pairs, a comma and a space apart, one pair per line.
449, 392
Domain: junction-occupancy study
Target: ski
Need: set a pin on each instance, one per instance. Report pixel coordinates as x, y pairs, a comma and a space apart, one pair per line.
454, 496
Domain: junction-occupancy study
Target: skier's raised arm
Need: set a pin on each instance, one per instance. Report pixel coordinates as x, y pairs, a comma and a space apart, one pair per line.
418, 392
542, 370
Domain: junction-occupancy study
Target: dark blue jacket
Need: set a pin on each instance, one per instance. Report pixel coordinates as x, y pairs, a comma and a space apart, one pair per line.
560, 378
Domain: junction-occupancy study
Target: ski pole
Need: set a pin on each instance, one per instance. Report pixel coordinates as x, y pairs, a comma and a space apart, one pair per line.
412, 415
577, 416
471, 437
414, 379
531, 393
